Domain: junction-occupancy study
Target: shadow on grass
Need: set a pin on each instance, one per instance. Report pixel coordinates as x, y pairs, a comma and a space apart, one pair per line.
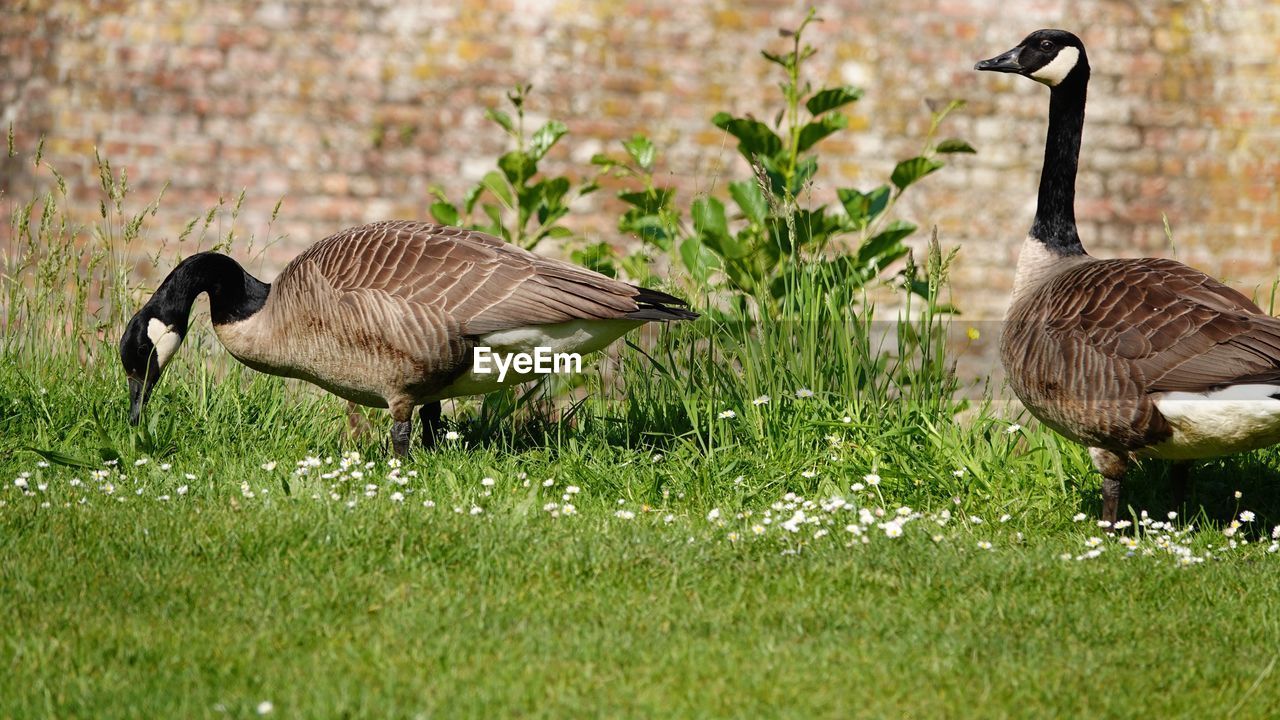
1211, 494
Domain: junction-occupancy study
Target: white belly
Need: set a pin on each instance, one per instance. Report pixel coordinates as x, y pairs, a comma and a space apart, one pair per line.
577, 336
1231, 420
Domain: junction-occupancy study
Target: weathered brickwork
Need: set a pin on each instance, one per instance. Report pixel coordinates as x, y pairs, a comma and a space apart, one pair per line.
351, 110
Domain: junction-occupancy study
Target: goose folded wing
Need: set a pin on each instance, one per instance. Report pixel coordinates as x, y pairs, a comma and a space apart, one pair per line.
481, 282
1171, 328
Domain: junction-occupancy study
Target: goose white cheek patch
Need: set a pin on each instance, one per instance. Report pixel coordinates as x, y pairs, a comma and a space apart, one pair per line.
1058, 70
165, 340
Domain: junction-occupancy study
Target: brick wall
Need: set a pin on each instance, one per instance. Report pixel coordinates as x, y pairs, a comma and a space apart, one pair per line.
352, 110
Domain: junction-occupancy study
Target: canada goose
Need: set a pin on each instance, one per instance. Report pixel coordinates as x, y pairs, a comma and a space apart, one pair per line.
388, 314
1133, 358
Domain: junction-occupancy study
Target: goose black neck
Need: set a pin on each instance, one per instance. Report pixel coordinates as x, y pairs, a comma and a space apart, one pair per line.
233, 293
1055, 223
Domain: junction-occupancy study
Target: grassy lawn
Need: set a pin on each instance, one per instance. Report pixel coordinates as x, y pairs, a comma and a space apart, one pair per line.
193, 585
143, 609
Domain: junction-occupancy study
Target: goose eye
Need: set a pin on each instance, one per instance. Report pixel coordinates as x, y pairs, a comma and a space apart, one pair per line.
1046, 45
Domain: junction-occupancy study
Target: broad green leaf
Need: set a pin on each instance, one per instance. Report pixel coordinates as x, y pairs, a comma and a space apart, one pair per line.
886, 246
545, 137
954, 145
518, 167
909, 171
650, 201
469, 200
502, 119
709, 218
862, 207
698, 260
832, 98
598, 257
727, 246
641, 150
604, 161
750, 200
754, 137
554, 190
495, 183
547, 215
811, 133
653, 228
495, 217
744, 275
444, 213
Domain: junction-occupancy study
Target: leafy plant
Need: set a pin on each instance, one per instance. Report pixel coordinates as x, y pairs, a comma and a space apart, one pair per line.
761, 246
515, 201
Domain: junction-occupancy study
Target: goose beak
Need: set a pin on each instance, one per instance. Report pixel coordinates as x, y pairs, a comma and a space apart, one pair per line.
1005, 62
137, 398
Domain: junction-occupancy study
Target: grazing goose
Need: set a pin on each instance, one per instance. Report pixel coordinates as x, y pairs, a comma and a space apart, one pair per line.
1133, 358
388, 314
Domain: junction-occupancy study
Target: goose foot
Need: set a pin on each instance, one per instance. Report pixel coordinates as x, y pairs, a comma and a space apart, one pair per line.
1112, 467
430, 415
400, 432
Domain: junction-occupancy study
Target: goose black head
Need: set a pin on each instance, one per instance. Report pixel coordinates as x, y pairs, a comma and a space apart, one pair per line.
148, 344
1046, 56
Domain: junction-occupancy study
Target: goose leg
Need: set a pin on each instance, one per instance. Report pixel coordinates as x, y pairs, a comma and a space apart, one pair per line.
402, 428
1112, 467
400, 432
430, 415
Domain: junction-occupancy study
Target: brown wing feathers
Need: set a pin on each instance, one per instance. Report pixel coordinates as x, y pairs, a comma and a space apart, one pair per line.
484, 283
1178, 328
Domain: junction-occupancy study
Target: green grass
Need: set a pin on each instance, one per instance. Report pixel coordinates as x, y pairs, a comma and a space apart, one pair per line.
210, 602
205, 571
182, 610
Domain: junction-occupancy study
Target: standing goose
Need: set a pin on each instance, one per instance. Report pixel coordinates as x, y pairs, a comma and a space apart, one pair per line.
388, 314
1133, 358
